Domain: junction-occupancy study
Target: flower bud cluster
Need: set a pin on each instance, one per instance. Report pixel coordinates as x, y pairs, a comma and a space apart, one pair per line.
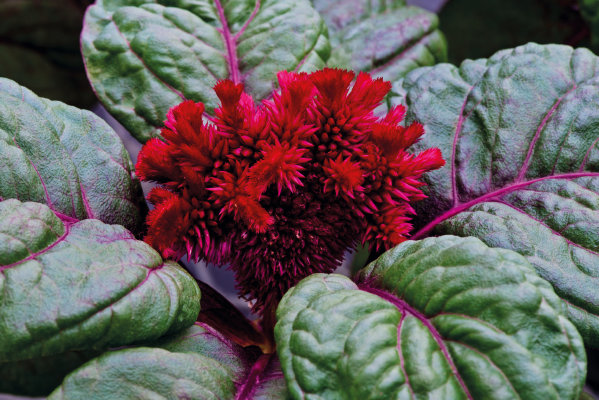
281, 191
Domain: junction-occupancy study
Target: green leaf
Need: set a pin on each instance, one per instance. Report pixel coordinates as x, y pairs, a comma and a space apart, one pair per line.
519, 132
39, 48
83, 286
385, 38
198, 363
442, 318
67, 158
40, 376
144, 57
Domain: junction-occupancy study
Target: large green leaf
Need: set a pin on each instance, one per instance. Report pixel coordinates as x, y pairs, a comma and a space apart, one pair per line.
386, 38
198, 363
67, 158
520, 133
441, 318
39, 48
83, 286
145, 56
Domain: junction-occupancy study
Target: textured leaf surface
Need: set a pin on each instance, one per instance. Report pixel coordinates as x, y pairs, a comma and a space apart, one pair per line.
40, 376
83, 286
144, 57
386, 38
66, 158
39, 48
520, 133
198, 363
441, 318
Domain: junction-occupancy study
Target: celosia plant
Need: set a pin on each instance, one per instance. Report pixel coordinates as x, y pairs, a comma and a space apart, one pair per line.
282, 191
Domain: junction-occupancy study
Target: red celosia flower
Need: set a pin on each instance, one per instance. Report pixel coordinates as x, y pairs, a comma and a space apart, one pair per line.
281, 191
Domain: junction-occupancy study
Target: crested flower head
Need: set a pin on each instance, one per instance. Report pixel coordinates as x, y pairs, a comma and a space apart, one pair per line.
281, 191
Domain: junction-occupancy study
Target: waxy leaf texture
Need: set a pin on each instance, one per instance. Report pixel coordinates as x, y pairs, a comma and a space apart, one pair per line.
197, 363
520, 133
66, 158
82, 286
385, 38
443, 318
143, 57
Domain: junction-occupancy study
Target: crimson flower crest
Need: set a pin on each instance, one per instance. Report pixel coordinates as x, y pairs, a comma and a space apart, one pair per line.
281, 191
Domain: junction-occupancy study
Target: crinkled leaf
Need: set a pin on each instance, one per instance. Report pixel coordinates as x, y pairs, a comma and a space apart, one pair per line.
477, 29
66, 158
83, 286
198, 363
39, 48
40, 376
520, 133
143, 57
386, 38
442, 318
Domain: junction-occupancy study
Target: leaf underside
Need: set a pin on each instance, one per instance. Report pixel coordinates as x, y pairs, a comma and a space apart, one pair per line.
387, 39
445, 318
83, 286
144, 57
195, 363
66, 158
520, 133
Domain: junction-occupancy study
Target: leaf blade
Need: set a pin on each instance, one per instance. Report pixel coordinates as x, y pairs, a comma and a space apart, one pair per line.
445, 317
68, 159
387, 40
519, 129
144, 58
209, 365
92, 287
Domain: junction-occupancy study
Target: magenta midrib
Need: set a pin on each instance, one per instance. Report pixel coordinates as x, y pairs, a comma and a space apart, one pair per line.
405, 308
586, 156
378, 69
401, 359
49, 202
253, 377
453, 150
245, 391
32, 256
570, 242
96, 312
531, 148
456, 210
230, 43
